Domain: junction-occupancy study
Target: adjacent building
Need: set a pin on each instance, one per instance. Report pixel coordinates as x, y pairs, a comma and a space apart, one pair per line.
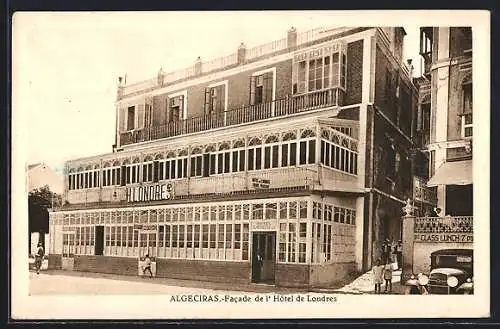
446, 115
40, 175
445, 132
287, 163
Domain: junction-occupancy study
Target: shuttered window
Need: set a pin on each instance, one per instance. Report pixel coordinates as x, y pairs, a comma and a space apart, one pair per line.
175, 108
261, 88
215, 99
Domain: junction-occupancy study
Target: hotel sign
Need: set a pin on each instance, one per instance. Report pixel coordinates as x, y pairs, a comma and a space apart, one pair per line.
150, 193
145, 227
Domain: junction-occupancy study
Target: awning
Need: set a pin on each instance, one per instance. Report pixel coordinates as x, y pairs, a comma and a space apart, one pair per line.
453, 173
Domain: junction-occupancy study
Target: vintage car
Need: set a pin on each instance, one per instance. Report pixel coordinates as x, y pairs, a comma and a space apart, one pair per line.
451, 272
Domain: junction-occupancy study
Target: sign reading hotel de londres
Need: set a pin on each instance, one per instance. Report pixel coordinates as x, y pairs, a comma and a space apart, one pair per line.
264, 226
150, 193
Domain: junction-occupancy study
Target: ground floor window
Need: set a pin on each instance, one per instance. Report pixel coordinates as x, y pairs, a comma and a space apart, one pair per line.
306, 231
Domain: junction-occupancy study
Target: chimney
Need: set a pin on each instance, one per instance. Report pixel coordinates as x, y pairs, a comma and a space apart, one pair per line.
121, 86
198, 66
291, 40
161, 76
242, 52
410, 66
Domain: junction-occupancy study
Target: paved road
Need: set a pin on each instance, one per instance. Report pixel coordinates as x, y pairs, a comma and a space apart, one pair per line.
71, 283
47, 284
95, 284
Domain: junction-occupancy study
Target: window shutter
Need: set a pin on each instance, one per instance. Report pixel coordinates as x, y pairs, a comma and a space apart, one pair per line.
123, 118
221, 98
252, 90
268, 87
140, 116
181, 107
208, 109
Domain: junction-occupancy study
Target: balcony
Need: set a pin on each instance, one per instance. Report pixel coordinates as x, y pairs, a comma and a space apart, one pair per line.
422, 193
303, 178
244, 114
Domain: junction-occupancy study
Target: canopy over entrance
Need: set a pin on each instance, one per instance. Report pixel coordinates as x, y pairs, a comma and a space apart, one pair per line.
453, 173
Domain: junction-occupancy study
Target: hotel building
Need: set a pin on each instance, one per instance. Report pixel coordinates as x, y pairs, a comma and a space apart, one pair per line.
287, 163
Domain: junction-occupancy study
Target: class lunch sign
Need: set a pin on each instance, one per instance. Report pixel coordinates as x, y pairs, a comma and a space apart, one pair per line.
150, 193
444, 237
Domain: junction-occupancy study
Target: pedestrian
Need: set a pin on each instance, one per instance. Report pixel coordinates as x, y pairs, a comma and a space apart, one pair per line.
39, 257
377, 272
439, 212
388, 275
147, 266
386, 250
399, 254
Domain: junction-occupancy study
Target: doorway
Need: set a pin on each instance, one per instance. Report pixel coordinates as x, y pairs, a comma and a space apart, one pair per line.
263, 257
99, 240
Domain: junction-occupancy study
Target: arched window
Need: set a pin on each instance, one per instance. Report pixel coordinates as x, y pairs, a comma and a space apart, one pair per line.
182, 161
272, 139
307, 147
255, 154
147, 169
307, 133
196, 162
271, 156
223, 158
210, 148
238, 156
289, 136
238, 144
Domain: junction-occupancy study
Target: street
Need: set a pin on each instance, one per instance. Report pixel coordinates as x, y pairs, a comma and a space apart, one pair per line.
77, 283
48, 284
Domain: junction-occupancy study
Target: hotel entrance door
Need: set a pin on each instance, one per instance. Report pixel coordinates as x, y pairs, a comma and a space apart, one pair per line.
263, 256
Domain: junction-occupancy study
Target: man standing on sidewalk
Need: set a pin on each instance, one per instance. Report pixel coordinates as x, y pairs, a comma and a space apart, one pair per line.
39, 257
147, 266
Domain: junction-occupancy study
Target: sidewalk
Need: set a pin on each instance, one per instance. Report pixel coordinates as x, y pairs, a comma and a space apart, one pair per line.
224, 286
361, 285
364, 285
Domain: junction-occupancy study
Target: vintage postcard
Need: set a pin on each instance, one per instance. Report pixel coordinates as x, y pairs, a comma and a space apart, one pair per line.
203, 165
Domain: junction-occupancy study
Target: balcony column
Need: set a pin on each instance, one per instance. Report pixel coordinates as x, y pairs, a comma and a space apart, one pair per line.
309, 230
246, 162
141, 168
188, 169
100, 181
317, 161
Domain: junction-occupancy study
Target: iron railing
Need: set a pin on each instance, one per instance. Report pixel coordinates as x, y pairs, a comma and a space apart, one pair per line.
244, 114
447, 224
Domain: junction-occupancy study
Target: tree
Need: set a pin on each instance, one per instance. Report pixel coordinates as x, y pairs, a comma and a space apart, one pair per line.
39, 200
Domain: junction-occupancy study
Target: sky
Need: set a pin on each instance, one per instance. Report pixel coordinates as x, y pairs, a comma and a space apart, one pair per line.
66, 65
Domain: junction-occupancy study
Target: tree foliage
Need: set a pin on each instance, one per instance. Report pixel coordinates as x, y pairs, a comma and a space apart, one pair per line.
39, 200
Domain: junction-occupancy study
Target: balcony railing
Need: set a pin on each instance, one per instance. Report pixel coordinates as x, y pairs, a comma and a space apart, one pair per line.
249, 113
261, 181
448, 224
232, 59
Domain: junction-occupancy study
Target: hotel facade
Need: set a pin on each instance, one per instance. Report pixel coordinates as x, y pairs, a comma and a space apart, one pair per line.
287, 163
